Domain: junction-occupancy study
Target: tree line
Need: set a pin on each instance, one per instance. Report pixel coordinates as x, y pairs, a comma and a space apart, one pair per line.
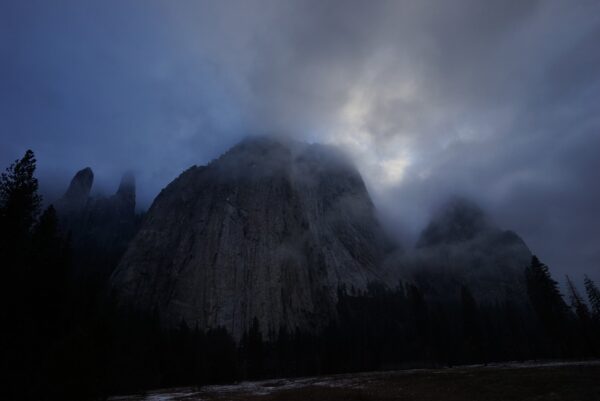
65, 338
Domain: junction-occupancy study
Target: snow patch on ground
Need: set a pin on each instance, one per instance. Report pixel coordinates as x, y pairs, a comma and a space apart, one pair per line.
161, 395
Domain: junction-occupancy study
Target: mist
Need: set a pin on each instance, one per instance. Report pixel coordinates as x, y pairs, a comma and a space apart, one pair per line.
498, 102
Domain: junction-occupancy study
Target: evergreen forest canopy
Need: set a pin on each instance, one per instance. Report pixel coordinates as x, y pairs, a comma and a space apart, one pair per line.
65, 338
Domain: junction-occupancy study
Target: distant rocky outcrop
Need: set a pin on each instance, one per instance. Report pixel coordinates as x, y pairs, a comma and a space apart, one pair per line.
78, 193
270, 230
99, 228
462, 246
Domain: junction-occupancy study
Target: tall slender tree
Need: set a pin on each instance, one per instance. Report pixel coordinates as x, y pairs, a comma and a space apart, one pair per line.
577, 303
584, 318
593, 296
544, 293
19, 208
19, 198
547, 301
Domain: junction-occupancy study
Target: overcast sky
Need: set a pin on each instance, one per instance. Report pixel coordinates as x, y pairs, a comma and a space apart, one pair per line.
495, 100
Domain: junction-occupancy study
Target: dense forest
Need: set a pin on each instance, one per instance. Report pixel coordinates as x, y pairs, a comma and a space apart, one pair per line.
65, 338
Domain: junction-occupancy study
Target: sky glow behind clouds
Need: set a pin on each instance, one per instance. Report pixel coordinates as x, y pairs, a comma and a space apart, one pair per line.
498, 101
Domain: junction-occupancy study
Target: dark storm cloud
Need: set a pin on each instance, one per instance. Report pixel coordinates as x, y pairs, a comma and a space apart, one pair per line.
498, 101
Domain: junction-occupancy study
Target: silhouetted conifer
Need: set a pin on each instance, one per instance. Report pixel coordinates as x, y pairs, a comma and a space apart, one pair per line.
584, 318
593, 296
19, 198
577, 303
544, 294
550, 307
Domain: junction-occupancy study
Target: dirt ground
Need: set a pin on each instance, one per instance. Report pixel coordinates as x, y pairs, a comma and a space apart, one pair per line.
572, 381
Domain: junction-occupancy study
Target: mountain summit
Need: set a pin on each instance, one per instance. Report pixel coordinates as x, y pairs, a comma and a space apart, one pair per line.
462, 246
269, 231
459, 220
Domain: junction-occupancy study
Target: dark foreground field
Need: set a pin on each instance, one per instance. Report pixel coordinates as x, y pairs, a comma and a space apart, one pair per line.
551, 381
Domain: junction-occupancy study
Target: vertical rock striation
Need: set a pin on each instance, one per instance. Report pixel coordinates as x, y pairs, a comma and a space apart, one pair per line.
269, 230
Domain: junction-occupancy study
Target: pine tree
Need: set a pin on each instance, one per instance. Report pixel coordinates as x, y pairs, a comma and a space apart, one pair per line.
543, 292
585, 322
549, 305
19, 199
577, 303
19, 207
593, 296
594, 299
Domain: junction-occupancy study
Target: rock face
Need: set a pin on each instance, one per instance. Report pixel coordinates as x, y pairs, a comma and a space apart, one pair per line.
270, 230
461, 246
100, 227
78, 193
